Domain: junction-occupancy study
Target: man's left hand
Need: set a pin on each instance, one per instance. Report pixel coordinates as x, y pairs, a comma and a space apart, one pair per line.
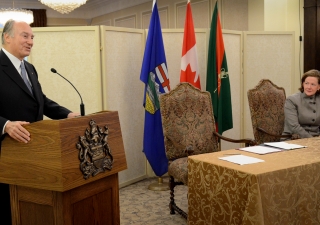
73, 114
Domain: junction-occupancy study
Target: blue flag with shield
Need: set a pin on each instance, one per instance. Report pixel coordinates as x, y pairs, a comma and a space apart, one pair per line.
155, 76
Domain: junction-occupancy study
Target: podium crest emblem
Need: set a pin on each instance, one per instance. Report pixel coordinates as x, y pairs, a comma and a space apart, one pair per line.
94, 152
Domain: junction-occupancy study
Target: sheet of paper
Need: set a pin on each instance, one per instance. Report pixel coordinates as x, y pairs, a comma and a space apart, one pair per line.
284, 145
260, 149
241, 159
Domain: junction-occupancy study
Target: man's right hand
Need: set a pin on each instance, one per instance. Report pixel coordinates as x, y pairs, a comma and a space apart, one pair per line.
16, 130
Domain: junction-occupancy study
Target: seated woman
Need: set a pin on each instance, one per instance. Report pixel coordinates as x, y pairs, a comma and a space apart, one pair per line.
302, 110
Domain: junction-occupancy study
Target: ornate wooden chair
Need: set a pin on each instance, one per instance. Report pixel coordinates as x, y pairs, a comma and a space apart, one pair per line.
266, 103
189, 129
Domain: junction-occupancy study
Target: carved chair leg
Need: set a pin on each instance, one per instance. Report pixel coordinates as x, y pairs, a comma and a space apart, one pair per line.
172, 203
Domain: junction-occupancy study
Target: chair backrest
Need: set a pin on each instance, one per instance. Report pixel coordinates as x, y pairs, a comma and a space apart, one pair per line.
266, 103
187, 120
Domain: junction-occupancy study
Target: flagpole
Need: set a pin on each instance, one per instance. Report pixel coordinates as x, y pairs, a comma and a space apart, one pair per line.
154, 74
159, 186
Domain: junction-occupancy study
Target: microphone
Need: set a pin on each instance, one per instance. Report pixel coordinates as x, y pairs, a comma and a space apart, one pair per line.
81, 105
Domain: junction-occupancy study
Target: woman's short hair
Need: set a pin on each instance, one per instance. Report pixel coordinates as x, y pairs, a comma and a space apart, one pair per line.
310, 73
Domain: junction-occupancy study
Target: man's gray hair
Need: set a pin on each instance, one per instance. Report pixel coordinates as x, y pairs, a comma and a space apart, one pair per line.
8, 29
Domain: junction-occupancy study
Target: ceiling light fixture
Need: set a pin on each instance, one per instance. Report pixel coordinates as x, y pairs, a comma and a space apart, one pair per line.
15, 14
63, 6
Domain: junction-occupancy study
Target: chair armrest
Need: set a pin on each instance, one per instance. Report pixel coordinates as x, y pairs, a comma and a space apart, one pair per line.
247, 141
189, 150
291, 136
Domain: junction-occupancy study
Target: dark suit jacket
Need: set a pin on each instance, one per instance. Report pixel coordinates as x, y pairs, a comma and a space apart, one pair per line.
16, 101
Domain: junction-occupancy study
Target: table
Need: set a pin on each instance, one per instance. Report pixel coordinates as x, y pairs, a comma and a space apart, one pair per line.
285, 189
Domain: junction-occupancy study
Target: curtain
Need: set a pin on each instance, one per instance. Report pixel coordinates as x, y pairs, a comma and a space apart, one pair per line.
39, 18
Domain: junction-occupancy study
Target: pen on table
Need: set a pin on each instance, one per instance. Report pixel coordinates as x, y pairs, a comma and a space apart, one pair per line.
232, 154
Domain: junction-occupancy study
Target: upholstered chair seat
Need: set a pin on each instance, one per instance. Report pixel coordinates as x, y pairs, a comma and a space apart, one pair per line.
179, 170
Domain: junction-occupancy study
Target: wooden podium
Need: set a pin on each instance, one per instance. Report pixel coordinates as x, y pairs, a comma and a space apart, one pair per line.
46, 183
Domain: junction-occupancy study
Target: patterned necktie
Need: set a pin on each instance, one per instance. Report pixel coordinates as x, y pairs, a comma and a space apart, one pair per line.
24, 77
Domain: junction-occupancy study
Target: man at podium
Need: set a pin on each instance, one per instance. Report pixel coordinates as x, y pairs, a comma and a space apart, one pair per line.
21, 98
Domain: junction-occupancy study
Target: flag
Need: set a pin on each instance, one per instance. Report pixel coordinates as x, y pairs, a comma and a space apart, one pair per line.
189, 62
218, 83
155, 76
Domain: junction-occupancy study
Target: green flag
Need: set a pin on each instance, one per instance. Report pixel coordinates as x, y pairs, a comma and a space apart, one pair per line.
218, 83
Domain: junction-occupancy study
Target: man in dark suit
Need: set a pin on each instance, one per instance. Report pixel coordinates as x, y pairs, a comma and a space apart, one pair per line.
21, 98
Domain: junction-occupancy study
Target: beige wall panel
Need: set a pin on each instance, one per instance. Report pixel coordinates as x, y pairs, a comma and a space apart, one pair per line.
172, 40
121, 63
267, 55
164, 18
181, 14
105, 23
200, 13
63, 22
146, 16
233, 47
74, 53
134, 10
256, 15
275, 14
235, 14
129, 22
163, 14
139, 11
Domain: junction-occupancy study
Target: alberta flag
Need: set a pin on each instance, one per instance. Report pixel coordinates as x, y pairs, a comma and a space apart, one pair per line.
218, 83
155, 76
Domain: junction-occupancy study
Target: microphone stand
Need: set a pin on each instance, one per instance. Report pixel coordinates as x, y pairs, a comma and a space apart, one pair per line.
81, 105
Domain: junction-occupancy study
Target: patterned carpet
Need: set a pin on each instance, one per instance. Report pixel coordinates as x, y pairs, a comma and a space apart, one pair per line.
139, 205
